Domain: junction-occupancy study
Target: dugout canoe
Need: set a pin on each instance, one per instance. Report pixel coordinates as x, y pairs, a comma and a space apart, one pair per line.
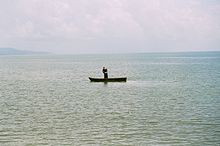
122, 79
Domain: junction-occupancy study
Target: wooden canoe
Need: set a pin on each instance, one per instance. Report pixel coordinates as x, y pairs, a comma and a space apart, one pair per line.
123, 79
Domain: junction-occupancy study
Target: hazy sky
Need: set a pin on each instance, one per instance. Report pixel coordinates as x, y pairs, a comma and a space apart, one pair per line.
110, 26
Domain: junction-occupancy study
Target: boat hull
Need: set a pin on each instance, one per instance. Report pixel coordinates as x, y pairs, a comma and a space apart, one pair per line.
123, 79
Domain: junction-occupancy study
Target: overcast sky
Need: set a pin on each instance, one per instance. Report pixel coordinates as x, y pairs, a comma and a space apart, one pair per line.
110, 26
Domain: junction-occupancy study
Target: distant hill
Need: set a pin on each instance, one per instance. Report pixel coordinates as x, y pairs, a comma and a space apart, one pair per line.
12, 51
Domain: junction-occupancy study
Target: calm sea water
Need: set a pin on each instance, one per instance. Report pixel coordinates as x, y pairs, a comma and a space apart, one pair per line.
169, 99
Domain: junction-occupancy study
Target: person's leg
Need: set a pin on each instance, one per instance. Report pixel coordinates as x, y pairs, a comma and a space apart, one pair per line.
105, 75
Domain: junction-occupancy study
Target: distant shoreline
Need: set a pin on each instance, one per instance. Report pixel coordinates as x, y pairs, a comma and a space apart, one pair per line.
13, 51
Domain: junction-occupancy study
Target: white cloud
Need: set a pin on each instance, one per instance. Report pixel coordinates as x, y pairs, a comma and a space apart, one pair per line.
123, 25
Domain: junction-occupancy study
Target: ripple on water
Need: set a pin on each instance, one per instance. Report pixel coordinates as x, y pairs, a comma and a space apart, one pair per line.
50, 101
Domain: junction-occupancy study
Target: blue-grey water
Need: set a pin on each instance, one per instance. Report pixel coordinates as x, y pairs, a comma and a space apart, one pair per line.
169, 99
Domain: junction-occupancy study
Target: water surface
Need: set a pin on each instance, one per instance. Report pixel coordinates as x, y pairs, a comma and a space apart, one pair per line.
169, 99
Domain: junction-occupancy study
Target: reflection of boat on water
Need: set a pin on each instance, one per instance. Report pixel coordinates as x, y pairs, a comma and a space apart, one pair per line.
122, 79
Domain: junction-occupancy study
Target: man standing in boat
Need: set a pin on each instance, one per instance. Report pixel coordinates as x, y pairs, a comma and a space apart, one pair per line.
105, 72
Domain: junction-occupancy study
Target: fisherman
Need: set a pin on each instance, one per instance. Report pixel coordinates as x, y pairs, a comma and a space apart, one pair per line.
105, 72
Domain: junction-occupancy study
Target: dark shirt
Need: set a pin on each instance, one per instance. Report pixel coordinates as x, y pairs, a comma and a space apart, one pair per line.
104, 70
